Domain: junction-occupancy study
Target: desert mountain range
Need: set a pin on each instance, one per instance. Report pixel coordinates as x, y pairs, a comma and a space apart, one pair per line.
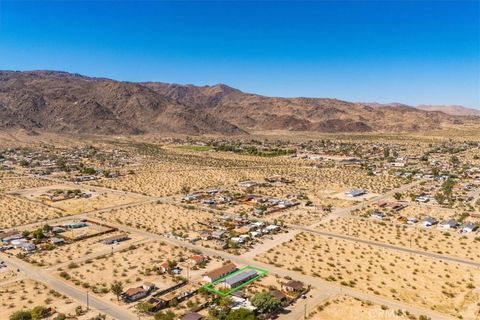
71, 103
453, 110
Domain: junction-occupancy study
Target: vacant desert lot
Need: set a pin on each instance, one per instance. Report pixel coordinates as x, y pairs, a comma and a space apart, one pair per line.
133, 266
167, 174
449, 288
345, 307
81, 249
15, 211
300, 215
99, 198
26, 294
433, 239
159, 218
13, 182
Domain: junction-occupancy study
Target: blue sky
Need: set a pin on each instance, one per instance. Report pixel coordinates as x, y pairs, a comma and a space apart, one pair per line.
416, 52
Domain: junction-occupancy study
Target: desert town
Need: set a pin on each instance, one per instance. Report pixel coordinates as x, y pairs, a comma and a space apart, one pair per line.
206, 228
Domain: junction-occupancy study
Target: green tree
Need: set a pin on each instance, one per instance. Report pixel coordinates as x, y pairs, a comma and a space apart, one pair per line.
144, 306
440, 197
447, 187
38, 234
241, 314
21, 315
185, 190
39, 312
117, 288
454, 160
89, 171
266, 303
169, 315
397, 195
61, 316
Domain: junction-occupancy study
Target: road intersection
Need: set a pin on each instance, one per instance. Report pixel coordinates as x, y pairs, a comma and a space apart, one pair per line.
321, 289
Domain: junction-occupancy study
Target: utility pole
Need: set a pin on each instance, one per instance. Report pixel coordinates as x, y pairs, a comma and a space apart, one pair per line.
305, 312
88, 304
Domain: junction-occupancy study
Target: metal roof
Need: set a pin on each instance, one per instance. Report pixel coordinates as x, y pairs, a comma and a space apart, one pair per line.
241, 277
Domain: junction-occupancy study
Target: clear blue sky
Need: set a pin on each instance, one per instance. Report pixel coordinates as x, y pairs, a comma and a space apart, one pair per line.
416, 52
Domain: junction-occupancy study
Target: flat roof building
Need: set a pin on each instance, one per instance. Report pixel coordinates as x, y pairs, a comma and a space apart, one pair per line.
240, 278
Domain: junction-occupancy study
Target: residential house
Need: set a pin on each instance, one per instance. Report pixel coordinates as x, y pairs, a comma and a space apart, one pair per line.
115, 239
134, 294
56, 241
449, 224
164, 267
247, 184
377, 215
219, 272
279, 295
237, 240
240, 278
218, 234
148, 286
29, 247
197, 259
468, 227
422, 199
272, 228
412, 220
293, 286
355, 192
429, 221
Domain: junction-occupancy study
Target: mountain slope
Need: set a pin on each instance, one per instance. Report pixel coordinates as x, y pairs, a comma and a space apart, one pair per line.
71, 103
63, 102
254, 112
451, 110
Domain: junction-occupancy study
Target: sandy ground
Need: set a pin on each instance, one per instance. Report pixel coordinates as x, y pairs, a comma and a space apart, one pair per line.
26, 294
98, 200
448, 288
132, 266
345, 308
15, 182
196, 171
437, 240
300, 215
15, 211
76, 250
7, 274
159, 218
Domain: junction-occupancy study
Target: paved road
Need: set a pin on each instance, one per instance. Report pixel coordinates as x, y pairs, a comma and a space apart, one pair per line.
390, 246
326, 287
343, 212
109, 249
80, 296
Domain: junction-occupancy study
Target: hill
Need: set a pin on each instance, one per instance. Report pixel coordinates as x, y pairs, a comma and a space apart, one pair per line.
451, 110
71, 103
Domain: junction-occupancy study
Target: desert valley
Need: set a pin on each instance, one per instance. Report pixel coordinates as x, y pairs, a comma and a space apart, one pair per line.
163, 202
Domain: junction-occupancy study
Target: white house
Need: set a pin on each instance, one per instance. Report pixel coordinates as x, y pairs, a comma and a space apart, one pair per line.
468, 227
449, 224
429, 221
237, 239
